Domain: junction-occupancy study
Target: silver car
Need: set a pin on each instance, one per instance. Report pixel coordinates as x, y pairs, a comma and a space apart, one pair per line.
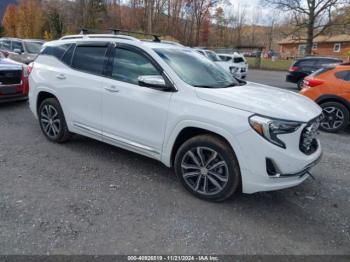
21, 50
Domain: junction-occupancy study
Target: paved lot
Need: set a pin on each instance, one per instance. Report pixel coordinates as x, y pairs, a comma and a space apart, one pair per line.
272, 78
86, 197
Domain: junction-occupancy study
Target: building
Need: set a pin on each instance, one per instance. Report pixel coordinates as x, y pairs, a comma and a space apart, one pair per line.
333, 46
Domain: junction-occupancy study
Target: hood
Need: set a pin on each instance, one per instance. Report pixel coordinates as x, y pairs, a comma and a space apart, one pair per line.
8, 64
263, 100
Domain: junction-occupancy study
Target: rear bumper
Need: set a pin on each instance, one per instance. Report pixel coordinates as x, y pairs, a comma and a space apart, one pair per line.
11, 98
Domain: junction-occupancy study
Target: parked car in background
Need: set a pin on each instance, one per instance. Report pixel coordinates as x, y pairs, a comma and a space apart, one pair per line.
306, 66
21, 50
234, 70
172, 104
237, 64
330, 88
13, 80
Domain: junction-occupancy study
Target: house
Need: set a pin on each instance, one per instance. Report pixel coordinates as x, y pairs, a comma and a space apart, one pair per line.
333, 46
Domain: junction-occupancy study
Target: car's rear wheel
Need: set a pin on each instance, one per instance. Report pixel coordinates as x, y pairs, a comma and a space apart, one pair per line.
336, 117
300, 84
208, 168
52, 121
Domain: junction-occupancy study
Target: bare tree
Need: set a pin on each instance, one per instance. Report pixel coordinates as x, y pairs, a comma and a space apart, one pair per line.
310, 17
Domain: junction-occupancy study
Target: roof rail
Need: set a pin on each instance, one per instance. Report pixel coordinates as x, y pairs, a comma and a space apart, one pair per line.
116, 31
156, 38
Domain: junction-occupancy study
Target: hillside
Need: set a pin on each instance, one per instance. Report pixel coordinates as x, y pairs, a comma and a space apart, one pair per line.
3, 4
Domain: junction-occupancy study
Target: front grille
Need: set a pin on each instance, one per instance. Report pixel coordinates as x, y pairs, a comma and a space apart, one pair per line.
308, 139
10, 77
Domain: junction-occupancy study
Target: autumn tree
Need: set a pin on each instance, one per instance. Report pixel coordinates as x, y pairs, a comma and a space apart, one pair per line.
30, 19
9, 20
311, 18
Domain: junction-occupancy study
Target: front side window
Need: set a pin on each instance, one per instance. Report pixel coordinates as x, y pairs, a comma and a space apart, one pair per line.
195, 69
128, 66
90, 59
337, 47
33, 47
17, 45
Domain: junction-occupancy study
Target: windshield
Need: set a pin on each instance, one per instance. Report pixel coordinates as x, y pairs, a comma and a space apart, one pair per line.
213, 56
33, 47
195, 69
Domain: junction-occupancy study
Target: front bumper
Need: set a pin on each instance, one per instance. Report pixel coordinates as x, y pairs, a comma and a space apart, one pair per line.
291, 166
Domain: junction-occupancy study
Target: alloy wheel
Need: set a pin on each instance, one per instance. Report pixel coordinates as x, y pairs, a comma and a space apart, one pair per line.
333, 118
205, 171
50, 122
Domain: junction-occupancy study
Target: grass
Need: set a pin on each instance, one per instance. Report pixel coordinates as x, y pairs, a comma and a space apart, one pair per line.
268, 64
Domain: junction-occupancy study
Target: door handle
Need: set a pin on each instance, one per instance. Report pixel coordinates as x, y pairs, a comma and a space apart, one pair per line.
60, 76
112, 89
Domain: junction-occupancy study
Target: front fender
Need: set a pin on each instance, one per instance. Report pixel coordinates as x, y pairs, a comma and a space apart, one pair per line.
167, 147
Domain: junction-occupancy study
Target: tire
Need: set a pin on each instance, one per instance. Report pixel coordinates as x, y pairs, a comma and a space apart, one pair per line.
300, 83
198, 178
336, 117
52, 121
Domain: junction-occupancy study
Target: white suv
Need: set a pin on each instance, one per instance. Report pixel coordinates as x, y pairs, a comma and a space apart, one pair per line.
172, 104
236, 63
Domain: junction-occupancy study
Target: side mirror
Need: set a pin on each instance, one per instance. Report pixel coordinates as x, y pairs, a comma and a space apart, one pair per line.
153, 81
17, 51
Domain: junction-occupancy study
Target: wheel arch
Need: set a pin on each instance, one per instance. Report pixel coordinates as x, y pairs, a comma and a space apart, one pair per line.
188, 129
333, 98
42, 95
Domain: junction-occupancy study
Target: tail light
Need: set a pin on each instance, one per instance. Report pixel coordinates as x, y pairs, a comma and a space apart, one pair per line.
313, 82
293, 68
28, 69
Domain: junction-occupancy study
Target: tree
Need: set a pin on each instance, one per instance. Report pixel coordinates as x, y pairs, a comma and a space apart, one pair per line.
310, 17
30, 19
9, 20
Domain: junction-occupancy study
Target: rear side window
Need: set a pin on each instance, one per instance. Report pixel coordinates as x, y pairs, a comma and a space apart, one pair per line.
56, 51
343, 75
328, 61
67, 57
308, 62
90, 59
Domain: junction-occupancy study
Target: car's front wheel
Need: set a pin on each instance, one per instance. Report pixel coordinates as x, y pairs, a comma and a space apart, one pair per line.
52, 121
208, 168
336, 117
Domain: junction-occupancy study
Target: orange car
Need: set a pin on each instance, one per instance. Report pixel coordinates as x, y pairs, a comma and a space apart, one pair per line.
330, 88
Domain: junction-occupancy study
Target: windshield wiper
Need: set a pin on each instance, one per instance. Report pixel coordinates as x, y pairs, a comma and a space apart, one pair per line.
205, 86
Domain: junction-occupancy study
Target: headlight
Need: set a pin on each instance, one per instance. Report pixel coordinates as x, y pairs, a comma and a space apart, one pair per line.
270, 128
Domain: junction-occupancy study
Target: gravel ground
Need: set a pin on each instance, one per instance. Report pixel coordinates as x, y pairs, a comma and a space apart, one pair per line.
86, 197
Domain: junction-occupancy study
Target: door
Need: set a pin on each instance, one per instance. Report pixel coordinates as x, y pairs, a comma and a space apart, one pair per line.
134, 117
81, 86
